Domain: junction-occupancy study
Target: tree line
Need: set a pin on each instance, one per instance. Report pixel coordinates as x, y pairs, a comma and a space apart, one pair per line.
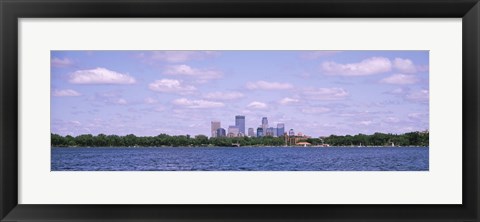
379, 139
102, 140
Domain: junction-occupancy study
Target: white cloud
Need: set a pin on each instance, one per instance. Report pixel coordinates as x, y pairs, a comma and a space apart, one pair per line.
109, 94
418, 116
149, 100
171, 86
59, 63
111, 97
185, 70
257, 105
422, 68
400, 79
397, 91
223, 95
100, 76
172, 56
404, 65
370, 66
418, 96
200, 104
160, 108
365, 122
120, 101
391, 119
268, 85
314, 110
65, 92
288, 101
76, 122
325, 93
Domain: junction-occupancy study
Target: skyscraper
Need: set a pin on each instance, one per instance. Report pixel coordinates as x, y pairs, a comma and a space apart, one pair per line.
269, 131
264, 124
240, 123
259, 132
233, 131
220, 132
291, 132
214, 127
280, 129
251, 132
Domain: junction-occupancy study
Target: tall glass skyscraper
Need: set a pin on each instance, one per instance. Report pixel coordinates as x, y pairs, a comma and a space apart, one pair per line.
259, 132
215, 126
280, 129
291, 132
269, 131
251, 132
264, 124
240, 123
221, 132
233, 131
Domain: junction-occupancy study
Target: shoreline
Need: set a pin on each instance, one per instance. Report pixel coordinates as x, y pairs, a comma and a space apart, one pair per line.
410, 139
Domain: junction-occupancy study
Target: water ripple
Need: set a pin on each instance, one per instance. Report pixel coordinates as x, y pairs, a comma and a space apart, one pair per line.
240, 159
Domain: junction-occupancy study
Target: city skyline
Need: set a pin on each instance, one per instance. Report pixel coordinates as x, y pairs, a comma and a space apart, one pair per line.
238, 130
320, 93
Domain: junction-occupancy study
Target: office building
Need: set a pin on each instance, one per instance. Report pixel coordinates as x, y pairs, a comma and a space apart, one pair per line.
280, 129
220, 132
240, 123
291, 132
251, 132
233, 131
215, 125
264, 124
259, 132
269, 131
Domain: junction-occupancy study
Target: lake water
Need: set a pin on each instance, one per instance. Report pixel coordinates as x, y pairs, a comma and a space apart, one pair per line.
241, 159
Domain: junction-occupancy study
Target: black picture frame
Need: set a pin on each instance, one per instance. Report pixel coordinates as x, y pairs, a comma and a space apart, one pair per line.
12, 10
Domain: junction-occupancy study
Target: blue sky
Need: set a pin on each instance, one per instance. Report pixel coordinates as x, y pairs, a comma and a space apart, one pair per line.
318, 93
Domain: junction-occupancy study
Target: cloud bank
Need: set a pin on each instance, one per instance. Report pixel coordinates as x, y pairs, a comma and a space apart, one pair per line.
100, 76
197, 104
264, 85
65, 92
171, 86
370, 66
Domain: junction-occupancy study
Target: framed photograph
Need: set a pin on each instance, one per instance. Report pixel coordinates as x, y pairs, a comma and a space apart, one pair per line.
219, 110
226, 110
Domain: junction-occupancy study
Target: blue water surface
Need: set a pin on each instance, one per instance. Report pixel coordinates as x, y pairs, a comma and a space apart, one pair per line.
241, 159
